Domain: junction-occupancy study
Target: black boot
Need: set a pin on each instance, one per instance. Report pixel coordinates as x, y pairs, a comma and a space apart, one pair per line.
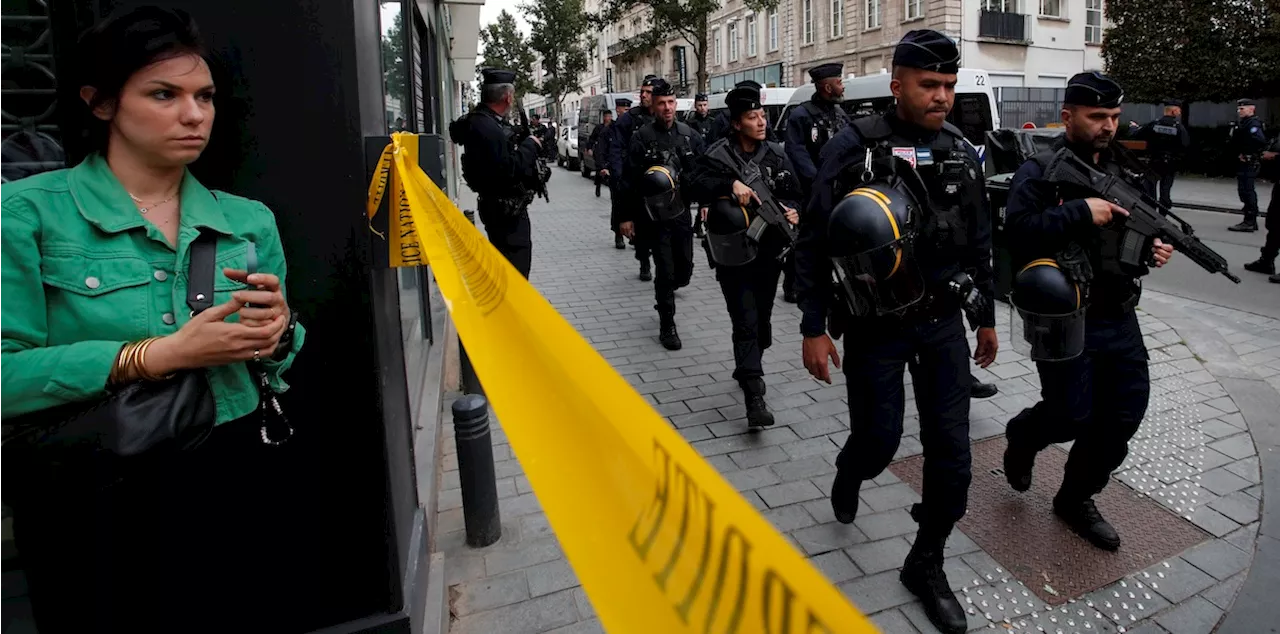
758, 414
982, 390
1261, 266
1245, 226
1274, 279
922, 574
646, 274
668, 336
1082, 516
617, 241
1019, 459
844, 496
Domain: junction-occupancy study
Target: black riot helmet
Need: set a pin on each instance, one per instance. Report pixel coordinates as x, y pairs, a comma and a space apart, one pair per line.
1048, 312
729, 236
661, 192
871, 235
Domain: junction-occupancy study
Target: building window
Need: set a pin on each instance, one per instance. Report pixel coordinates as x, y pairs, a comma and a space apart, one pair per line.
914, 9
1093, 21
751, 35
715, 46
837, 18
1000, 6
806, 10
873, 14
773, 30
1051, 8
731, 32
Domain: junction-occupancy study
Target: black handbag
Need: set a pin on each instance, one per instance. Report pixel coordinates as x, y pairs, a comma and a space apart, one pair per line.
100, 444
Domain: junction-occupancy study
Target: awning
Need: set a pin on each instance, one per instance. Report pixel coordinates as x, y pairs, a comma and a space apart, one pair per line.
464, 36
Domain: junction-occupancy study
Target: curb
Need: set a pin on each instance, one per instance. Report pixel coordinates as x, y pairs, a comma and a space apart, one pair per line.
1262, 213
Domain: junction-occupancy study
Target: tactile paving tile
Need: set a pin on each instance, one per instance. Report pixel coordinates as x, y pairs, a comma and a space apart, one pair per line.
1020, 531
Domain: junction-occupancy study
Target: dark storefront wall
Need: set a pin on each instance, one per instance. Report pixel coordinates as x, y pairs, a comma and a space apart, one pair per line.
300, 89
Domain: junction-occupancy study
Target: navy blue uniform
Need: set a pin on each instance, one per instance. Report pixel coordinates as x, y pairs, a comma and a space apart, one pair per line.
501, 174
1099, 398
749, 290
1167, 143
1248, 141
807, 134
670, 241
702, 123
599, 144
930, 342
619, 140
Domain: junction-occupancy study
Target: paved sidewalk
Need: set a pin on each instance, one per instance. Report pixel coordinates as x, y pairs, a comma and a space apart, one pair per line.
1218, 193
1200, 357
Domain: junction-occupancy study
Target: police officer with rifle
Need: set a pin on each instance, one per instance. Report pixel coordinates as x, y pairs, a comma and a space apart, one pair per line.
619, 144
658, 162
500, 164
898, 216
751, 199
1083, 232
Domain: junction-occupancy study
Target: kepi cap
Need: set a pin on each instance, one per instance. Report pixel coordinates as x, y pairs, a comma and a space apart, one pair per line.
623, 101
648, 80
662, 88
744, 99
747, 83
1092, 88
825, 71
1170, 101
927, 49
497, 76
1245, 102
702, 96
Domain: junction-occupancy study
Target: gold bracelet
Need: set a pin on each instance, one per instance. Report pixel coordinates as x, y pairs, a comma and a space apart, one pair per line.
122, 372
141, 362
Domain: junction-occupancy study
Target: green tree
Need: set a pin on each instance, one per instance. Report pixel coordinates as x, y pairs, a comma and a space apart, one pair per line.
394, 75
504, 46
1197, 50
559, 32
686, 18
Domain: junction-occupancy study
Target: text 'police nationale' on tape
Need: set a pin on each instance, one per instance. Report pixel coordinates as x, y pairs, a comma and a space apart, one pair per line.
660, 541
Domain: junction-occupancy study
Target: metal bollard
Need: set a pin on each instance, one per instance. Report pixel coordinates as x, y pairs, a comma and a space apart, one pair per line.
475, 468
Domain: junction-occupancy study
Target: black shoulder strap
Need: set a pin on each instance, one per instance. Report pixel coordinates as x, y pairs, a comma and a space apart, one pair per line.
776, 149
202, 252
872, 129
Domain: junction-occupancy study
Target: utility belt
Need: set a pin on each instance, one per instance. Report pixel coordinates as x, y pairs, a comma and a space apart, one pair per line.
513, 206
1112, 302
1252, 160
937, 304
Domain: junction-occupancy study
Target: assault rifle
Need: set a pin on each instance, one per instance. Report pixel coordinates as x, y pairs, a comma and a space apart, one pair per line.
544, 171
769, 211
1146, 221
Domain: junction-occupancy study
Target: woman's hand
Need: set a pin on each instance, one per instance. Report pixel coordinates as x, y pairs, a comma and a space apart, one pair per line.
268, 302
744, 194
791, 215
209, 340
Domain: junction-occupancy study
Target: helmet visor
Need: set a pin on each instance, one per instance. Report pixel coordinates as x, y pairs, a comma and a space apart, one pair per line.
881, 281
734, 249
1047, 337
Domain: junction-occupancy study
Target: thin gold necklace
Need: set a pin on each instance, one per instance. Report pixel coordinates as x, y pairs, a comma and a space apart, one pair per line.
143, 207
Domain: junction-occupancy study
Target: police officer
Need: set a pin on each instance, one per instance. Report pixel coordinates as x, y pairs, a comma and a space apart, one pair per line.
721, 127
658, 163
603, 144
595, 144
1266, 264
1167, 143
1248, 140
701, 119
1097, 398
927, 238
500, 168
746, 263
619, 144
816, 121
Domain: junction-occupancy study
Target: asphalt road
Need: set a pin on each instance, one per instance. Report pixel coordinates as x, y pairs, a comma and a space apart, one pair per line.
1183, 278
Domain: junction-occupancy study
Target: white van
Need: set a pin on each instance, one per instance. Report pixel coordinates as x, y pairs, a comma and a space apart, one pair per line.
589, 117
774, 101
974, 111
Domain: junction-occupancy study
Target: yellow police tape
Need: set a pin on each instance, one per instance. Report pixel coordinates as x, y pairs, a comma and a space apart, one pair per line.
660, 541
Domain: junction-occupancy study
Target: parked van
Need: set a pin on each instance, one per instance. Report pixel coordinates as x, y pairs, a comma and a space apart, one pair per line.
567, 143
774, 101
974, 111
589, 117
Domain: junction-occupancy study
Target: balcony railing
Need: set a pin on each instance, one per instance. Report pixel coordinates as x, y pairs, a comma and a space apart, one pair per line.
1002, 26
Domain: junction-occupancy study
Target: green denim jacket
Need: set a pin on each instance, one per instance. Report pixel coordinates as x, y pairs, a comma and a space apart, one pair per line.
84, 273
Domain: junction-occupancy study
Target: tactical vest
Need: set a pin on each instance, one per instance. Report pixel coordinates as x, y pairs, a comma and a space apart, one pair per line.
1165, 143
479, 176
823, 126
674, 156
722, 152
951, 175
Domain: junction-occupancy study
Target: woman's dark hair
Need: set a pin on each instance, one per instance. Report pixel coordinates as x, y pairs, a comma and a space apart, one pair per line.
124, 43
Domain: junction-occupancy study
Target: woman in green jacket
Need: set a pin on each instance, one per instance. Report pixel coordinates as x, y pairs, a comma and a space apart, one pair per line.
94, 263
